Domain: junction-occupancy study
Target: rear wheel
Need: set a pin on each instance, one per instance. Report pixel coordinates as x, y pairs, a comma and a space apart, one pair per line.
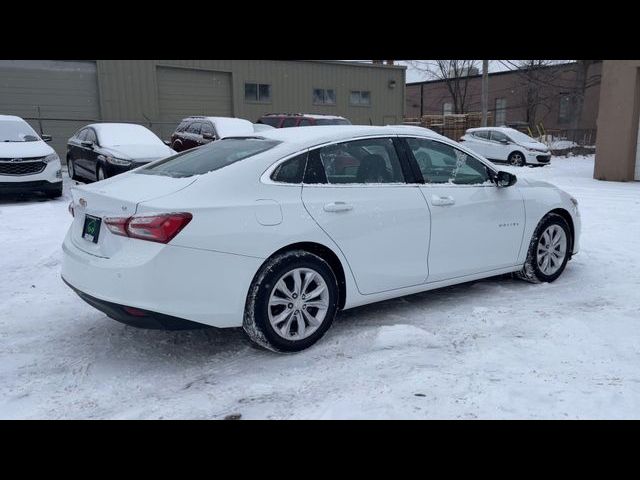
549, 250
292, 302
517, 159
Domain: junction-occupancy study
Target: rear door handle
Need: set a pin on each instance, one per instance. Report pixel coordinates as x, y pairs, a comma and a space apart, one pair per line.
442, 201
337, 207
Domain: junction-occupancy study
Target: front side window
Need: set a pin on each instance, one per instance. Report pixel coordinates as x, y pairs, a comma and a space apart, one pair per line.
324, 96
90, 136
290, 171
82, 134
206, 128
194, 128
371, 160
213, 156
442, 163
257, 92
360, 97
484, 135
498, 136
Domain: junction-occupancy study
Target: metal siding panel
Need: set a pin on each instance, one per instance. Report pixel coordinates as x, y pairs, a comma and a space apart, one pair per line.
184, 92
61, 89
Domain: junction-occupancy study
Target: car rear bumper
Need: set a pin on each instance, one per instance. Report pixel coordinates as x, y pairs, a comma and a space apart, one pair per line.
190, 284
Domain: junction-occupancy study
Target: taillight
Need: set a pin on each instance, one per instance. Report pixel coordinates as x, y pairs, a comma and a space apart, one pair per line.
154, 228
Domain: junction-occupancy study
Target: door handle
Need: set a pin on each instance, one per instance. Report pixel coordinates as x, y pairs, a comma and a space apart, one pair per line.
337, 207
442, 201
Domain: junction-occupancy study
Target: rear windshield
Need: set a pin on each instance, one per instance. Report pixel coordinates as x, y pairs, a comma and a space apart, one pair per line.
213, 156
332, 121
273, 121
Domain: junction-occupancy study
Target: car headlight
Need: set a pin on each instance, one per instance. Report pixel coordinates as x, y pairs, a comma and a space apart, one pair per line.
51, 158
118, 161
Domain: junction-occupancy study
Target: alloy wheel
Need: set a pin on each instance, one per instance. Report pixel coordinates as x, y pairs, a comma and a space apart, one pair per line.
552, 249
517, 159
298, 303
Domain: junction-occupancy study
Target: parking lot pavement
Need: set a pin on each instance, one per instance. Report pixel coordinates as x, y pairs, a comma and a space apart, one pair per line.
497, 348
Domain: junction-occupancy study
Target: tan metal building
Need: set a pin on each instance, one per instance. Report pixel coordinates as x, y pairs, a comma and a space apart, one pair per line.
618, 143
58, 97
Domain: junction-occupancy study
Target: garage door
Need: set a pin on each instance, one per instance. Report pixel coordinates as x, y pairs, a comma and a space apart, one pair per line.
185, 92
64, 94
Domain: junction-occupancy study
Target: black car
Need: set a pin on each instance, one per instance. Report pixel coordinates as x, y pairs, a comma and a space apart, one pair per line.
102, 150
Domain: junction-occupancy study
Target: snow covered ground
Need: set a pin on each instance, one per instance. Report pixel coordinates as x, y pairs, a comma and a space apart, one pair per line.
497, 348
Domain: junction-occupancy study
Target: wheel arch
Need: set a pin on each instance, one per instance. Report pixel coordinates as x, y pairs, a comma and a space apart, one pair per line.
328, 255
567, 217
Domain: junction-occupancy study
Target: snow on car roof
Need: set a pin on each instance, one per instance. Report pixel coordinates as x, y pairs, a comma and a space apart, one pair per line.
9, 118
499, 129
229, 126
314, 135
113, 134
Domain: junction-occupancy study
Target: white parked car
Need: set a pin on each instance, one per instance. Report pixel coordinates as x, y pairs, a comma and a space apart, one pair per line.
278, 232
506, 145
27, 163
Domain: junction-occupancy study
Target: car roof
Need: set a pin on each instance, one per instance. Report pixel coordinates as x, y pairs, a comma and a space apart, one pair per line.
6, 118
499, 129
307, 115
315, 135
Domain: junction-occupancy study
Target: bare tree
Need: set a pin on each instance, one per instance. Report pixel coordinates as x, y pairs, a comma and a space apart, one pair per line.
455, 74
583, 81
537, 79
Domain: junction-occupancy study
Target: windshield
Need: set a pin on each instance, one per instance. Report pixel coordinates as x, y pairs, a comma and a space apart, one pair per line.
125, 134
208, 158
520, 137
17, 131
332, 121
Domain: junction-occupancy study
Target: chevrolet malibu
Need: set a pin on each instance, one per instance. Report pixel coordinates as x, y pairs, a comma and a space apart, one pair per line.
279, 231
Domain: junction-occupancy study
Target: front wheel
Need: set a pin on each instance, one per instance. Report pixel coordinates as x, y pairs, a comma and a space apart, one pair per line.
292, 302
549, 250
516, 159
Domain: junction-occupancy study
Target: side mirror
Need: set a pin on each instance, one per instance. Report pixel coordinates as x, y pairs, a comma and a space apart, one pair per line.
46, 138
208, 136
505, 179
504, 141
86, 143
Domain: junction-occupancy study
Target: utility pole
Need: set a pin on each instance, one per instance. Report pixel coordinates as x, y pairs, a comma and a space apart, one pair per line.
485, 91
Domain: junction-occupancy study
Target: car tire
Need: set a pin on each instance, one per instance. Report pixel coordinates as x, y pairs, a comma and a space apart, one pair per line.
517, 159
71, 169
276, 309
551, 238
100, 175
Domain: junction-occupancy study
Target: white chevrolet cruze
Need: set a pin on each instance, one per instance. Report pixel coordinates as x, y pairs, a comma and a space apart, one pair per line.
27, 163
278, 231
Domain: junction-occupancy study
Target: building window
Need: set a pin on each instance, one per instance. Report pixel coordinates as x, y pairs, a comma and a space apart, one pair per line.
501, 111
257, 92
324, 96
564, 114
360, 97
447, 108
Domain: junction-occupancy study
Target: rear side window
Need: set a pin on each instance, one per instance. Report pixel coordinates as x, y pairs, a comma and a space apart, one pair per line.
290, 171
372, 160
289, 122
213, 156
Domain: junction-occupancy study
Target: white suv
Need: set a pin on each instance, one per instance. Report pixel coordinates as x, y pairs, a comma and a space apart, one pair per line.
506, 145
27, 163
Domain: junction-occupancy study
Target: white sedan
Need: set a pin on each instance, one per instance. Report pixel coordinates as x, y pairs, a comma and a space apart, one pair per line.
504, 144
279, 231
